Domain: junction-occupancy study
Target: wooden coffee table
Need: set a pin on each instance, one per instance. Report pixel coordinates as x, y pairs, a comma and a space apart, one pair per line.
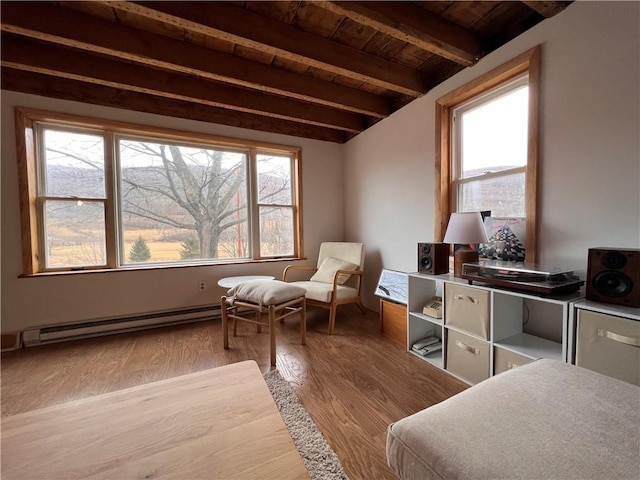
215, 424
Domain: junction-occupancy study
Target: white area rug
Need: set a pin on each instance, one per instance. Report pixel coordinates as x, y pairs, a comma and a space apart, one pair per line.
321, 461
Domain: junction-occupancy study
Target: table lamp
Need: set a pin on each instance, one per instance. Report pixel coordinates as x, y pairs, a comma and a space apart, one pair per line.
465, 228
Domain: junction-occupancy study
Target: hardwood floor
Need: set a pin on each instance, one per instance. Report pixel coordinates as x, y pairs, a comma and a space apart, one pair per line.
353, 383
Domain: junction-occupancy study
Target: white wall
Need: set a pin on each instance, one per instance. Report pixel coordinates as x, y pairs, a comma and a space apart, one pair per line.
35, 301
589, 190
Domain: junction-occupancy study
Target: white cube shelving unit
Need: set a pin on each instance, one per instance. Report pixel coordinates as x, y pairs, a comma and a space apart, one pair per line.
531, 326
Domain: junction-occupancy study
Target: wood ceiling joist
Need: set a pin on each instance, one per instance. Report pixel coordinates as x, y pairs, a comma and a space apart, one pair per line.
73, 90
78, 30
546, 8
61, 62
414, 25
238, 25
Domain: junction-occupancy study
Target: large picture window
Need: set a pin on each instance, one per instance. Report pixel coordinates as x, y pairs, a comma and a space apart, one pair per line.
486, 157
101, 195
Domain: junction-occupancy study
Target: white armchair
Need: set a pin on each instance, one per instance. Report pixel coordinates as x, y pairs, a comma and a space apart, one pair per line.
337, 278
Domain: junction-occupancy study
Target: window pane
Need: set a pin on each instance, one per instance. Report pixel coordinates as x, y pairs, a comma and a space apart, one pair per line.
276, 231
74, 233
274, 179
494, 135
184, 203
74, 164
504, 196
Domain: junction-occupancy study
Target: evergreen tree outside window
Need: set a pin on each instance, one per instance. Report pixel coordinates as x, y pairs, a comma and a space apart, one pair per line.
139, 252
190, 248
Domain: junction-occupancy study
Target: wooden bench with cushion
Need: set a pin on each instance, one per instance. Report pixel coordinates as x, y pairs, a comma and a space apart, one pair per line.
272, 299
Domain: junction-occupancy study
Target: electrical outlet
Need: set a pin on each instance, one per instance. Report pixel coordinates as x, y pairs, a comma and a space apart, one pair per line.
202, 285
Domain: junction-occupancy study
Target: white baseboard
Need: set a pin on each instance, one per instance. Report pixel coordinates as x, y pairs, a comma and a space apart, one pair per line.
93, 328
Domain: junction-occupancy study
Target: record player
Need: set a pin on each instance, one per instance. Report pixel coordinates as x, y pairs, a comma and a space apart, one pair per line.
523, 276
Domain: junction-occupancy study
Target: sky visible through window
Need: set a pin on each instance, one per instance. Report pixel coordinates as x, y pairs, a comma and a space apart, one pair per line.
494, 135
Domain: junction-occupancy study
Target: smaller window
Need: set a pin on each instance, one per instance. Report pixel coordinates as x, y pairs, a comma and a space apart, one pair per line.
72, 199
276, 208
490, 151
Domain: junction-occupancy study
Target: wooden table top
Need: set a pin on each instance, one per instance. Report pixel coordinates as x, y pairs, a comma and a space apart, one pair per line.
220, 423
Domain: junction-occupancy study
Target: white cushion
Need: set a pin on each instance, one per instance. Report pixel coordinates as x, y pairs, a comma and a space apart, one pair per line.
266, 292
349, 251
321, 292
328, 270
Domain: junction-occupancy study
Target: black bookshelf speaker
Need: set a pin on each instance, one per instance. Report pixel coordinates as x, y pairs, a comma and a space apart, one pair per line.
613, 276
433, 258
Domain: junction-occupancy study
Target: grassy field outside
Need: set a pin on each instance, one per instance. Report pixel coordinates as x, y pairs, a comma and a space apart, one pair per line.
71, 247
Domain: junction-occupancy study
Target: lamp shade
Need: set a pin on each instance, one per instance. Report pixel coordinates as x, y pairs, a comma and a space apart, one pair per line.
465, 228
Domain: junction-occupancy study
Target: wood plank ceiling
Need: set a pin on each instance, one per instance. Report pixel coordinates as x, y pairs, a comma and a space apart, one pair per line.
316, 69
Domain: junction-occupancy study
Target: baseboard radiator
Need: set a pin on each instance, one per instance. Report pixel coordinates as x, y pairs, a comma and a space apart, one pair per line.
95, 328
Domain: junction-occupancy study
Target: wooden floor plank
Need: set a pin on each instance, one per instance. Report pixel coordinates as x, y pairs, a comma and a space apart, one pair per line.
353, 383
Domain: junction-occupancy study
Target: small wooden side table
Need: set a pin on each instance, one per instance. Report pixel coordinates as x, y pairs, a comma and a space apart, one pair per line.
393, 321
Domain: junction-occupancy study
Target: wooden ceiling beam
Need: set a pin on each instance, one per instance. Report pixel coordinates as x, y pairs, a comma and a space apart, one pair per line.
73, 90
412, 24
78, 30
546, 8
238, 25
61, 62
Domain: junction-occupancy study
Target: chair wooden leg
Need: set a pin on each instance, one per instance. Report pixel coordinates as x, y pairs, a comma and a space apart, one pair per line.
225, 323
361, 306
303, 322
332, 317
272, 334
234, 322
258, 326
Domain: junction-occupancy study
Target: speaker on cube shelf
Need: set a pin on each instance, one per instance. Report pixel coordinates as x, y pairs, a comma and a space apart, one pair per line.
433, 258
613, 276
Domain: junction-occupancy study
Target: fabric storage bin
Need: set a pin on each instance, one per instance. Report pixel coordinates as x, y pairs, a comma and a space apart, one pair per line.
467, 357
467, 308
504, 360
609, 345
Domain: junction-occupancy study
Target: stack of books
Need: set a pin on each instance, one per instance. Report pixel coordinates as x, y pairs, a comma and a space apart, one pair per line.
428, 344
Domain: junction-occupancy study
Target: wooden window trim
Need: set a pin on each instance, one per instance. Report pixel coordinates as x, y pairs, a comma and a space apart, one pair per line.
25, 150
25, 120
528, 61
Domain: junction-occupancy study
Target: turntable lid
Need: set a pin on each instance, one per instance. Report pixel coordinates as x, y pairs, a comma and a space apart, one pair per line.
536, 268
